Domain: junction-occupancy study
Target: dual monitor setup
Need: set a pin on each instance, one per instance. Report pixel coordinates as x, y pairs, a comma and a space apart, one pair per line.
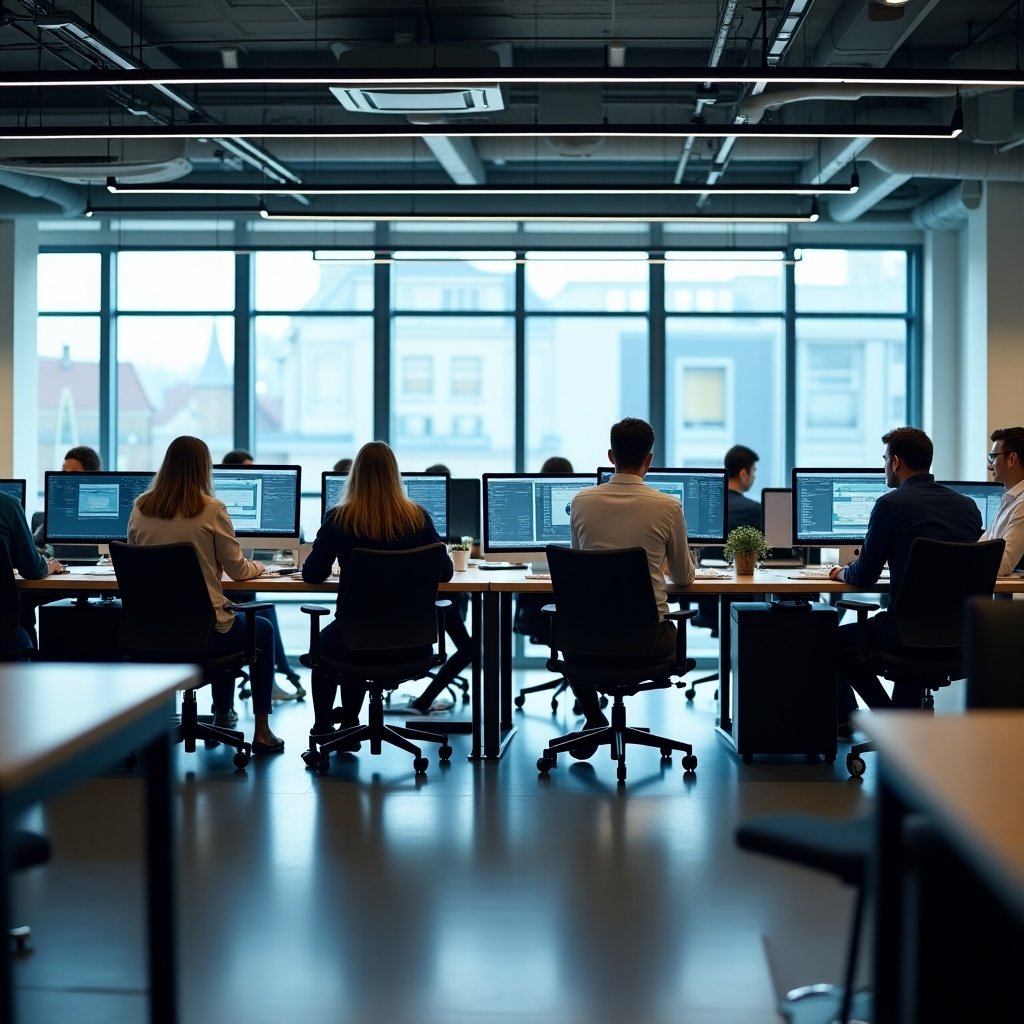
831, 507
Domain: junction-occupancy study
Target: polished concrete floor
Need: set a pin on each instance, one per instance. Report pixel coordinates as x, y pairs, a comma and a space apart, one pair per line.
482, 893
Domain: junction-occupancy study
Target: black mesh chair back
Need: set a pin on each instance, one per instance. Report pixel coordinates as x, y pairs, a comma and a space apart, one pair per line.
10, 602
165, 605
995, 676
940, 577
606, 605
386, 599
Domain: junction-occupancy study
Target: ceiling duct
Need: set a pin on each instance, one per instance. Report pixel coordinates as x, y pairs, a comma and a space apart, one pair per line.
93, 161
950, 209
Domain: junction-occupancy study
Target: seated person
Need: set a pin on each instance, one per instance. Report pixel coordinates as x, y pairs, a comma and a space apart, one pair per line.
240, 457
343, 466
374, 513
16, 537
80, 459
180, 507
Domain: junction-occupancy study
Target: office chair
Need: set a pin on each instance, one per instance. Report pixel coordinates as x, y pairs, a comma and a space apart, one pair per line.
30, 849
531, 622
390, 618
929, 618
603, 636
12, 645
992, 653
841, 848
167, 616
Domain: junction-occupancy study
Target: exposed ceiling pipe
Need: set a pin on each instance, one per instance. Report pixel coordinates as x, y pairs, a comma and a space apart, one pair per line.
55, 198
875, 185
949, 209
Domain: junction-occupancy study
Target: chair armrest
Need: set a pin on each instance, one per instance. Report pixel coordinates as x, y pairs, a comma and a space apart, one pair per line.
315, 612
683, 614
682, 662
442, 607
550, 611
861, 608
249, 609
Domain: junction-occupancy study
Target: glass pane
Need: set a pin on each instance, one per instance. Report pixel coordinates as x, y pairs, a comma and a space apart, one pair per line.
716, 282
176, 280
69, 391
465, 418
296, 281
68, 281
314, 395
599, 282
724, 386
851, 280
582, 375
453, 282
176, 377
851, 388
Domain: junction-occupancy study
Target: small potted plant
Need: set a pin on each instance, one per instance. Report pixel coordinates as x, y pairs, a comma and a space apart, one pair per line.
460, 553
746, 546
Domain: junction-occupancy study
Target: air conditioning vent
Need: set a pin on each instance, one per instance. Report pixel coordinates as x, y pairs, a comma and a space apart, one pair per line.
412, 100
91, 162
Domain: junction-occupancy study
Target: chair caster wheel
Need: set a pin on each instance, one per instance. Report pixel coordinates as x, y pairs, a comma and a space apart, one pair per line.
690, 763
311, 758
519, 700
620, 773
323, 764
577, 708
241, 759
603, 702
554, 706
690, 693
420, 765
855, 765
666, 753
210, 744
444, 753
465, 696
544, 765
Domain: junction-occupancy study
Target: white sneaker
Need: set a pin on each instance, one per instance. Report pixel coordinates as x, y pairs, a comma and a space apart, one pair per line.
280, 693
438, 707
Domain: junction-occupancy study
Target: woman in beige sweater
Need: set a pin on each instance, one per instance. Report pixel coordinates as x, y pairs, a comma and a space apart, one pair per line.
179, 507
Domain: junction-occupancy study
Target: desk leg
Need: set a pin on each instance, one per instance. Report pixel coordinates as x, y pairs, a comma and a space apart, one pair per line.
477, 623
724, 722
161, 884
888, 899
507, 645
6, 864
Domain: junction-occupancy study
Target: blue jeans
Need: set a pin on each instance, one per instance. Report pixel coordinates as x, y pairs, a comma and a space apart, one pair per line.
261, 672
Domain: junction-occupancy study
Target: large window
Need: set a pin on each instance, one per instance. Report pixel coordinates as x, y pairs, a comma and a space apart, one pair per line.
481, 361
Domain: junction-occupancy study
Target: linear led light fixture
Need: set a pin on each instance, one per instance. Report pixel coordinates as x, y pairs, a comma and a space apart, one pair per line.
562, 218
268, 189
428, 77
490, 131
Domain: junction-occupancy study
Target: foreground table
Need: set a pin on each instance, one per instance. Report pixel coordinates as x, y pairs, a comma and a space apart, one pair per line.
60, 723
963, 774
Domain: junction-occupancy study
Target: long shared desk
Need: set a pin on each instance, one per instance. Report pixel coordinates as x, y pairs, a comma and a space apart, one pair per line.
492, 594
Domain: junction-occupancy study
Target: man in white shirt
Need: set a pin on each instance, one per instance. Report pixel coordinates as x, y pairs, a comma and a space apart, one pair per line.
626, 513
1006, 464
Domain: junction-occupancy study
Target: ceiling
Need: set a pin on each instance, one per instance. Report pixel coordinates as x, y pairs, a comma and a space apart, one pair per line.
900, 179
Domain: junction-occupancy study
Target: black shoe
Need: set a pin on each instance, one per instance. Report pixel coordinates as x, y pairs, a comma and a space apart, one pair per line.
844, 730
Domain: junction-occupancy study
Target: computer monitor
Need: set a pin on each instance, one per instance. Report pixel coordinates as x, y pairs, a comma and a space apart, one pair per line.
15, 488
986, 494
831, 507
525, 512
427, 489
703, 494
464, 507
262, 501
90, 508
777, 517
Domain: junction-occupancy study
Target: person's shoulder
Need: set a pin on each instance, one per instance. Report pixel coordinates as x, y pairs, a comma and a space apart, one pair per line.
9, 504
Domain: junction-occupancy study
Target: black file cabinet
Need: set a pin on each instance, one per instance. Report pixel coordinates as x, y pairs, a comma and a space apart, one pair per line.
78, 630
784, 679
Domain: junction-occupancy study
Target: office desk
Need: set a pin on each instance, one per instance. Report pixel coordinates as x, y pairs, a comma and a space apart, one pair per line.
59, 724
963, 772
80, 582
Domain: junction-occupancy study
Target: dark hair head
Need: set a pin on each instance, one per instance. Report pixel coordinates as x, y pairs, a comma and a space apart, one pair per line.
182, 484
236, 457
1013, 440
343, 466
632, 440
738, 457
440, 468
912, 445
88, 457
556, 464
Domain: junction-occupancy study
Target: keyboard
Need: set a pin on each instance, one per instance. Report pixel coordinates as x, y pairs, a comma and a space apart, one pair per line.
813, 572
712, 574
538, 576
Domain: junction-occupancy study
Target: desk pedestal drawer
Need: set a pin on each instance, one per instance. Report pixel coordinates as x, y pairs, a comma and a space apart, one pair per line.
784, 679
73, 631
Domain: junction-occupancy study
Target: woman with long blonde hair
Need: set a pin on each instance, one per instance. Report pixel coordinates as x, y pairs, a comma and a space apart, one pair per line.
374, 513
180, 507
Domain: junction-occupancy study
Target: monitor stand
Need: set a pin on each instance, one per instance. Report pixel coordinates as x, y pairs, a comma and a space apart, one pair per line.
848, 553
540, 568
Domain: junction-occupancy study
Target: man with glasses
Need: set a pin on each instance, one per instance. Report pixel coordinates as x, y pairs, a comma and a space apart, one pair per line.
1006, 464
916, 507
